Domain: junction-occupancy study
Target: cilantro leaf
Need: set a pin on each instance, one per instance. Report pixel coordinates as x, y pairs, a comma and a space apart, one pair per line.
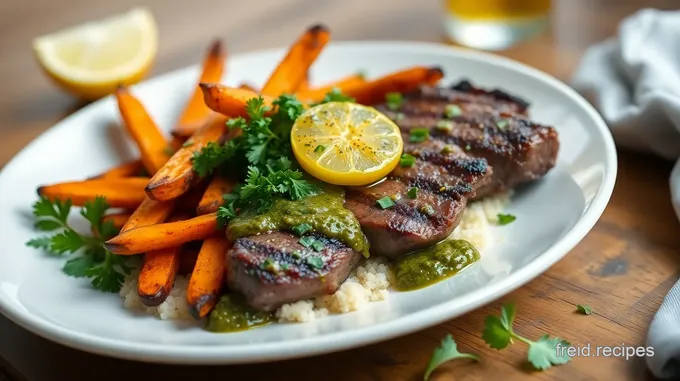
106, 270
545, 353
40, 243
48, 225
67, 241
447, 351
78, 266
495, 333
586, 310
226, 213
210, 157
335, 95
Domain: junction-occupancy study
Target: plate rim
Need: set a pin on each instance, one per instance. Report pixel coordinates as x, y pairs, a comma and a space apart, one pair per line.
219, 354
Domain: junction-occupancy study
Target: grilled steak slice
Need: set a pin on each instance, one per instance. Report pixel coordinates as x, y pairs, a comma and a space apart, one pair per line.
445, 180
274, 269
517, 149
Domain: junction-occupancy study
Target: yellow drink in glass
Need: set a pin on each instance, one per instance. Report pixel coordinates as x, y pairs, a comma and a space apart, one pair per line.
494, 24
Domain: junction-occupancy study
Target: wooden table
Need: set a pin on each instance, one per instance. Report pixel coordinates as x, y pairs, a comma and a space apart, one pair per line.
623, 268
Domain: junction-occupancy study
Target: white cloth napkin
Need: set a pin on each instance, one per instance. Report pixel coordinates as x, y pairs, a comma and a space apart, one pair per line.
634, 81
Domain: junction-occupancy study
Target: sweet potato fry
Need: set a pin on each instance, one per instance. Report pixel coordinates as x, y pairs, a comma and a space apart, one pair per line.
149, 212
373, 92
206, 280
158, 273
196, 112
292, 70
304, 85
162, 236
128, 169
177, 175
150, 141
230, 101
249, 87
212, 198
126, 192
319, 93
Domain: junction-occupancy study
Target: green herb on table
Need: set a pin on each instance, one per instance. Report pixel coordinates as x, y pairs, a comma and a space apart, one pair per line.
394, 100
444, 126
407, 160
385, 202
447, 351
504, 219
418, 135
90, 259
545, 352
585, 310
502, 124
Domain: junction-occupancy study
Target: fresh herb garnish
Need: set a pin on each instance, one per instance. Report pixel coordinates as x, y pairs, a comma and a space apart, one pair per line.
318, 245
586, 310
385, 202
418, 135
504, 219
297, 254
315, 262
501, 124
452, 110
105, 270
260, 190
412, 192
467, 147
544, 353
447, 351
307, 241
319, 148
394, 100
407, 160
335, 95
447, 149
301, 229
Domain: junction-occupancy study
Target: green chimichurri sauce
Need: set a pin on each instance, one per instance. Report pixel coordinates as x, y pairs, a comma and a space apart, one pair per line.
232, 314
431, 265
325, 212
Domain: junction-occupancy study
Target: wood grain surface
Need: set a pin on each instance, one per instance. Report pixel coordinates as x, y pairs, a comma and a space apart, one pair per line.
623, 268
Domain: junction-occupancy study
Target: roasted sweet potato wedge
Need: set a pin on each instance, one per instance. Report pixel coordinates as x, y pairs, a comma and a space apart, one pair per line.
126, 192
230, 101
291, 71
206, 280
151, 143
196, 112
162, 236
212, 198
149, 212
177, 175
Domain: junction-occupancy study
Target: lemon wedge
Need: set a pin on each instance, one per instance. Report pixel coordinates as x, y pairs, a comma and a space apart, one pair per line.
345, 143
92, 59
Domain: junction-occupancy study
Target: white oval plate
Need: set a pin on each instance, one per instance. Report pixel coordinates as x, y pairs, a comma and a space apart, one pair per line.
554, 214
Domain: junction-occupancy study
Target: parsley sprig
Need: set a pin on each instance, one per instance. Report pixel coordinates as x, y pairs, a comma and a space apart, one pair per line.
543, 353
447, 351
90, 259
261, 187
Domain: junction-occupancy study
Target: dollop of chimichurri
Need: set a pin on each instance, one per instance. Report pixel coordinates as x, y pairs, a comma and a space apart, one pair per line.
324, 212
431, 265
233, 314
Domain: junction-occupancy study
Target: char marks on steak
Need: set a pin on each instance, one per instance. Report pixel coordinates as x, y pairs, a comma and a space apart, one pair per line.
488, 148
274, 269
